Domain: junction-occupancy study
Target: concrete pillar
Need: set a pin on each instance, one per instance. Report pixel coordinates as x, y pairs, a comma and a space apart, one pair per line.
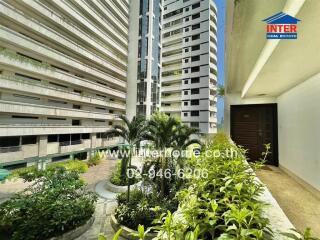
93, 137
42, 151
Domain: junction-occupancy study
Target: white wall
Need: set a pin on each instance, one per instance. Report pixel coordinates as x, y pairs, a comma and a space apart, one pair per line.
299, 130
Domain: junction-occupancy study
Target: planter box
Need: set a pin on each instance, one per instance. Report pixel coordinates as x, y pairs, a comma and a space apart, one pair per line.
126, 232
73, 234
119, 189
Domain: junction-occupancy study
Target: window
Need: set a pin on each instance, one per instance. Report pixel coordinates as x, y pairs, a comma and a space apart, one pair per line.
195, 69
194, 6
195, 37
195, 48
194, 113
187, 19
185, 103
186, 60
76, 106
186, 40
186, 81
195, 58
9, 141
186, 29
185, 92
139, 48
186, 71
195, 16
194, 124
52, 138
196, 26
185, 114
187, 9
195, 91
85, 136
195, 80
140, 26
29, 140
195, 102
75, 122
186, 50
141, 7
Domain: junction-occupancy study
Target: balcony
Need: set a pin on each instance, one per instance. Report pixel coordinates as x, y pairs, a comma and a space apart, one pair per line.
10, 149
42, 30
21, 42
70, 146
34, 109
171, 88
10, 63
15, 83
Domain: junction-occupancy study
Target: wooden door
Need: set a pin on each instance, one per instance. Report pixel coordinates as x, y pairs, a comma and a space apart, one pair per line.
252, 126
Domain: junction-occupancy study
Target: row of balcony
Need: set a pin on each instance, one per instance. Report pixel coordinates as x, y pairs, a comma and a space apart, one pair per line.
10, 63
14, 83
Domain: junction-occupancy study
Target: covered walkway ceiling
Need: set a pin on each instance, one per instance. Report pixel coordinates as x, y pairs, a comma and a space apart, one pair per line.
259, 67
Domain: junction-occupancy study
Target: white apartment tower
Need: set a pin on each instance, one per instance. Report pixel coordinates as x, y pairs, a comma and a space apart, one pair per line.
63, 72
144, 67
189, 62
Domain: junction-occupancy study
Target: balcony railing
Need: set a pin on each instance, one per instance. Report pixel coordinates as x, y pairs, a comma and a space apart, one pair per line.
10, 149
69, 143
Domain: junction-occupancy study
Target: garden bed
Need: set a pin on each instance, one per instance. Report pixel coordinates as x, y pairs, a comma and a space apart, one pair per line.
73, 234
126, 232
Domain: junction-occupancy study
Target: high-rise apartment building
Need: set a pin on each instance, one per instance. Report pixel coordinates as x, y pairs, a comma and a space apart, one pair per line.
144, 67
189, 62
63, 77
68, 68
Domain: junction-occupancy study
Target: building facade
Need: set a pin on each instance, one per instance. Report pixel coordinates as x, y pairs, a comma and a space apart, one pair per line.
144, 67
189, 62
63, 77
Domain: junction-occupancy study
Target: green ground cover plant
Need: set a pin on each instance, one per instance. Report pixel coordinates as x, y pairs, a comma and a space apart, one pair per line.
54, 204
225, 205
31, 173
95, 159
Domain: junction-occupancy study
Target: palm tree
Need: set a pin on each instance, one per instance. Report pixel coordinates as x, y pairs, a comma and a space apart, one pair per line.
184, 137
162, 129
132, 132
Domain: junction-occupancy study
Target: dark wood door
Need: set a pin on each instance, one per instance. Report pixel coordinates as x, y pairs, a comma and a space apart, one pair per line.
252, 126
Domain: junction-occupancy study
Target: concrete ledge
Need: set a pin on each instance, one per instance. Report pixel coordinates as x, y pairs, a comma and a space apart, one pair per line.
119, 189
73, 234
127, 232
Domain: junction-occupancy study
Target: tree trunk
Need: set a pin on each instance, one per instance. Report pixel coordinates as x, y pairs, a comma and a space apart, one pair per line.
130, 157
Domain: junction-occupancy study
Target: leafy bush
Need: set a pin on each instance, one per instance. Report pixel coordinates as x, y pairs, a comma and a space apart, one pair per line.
119, 178
32, 172
224, 205
56, 203
142, 208
95, 159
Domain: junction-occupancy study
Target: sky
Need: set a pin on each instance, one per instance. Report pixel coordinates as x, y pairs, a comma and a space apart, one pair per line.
221, 23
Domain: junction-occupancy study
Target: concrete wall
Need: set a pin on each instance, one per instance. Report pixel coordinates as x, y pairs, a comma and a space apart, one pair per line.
299, 131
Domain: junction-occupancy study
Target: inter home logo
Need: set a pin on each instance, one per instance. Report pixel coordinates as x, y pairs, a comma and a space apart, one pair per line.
281, 26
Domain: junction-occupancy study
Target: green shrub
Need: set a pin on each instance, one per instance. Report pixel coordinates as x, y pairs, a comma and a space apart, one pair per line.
32, 172
141, 208
223, 205
56, 203
119, 178
95, 159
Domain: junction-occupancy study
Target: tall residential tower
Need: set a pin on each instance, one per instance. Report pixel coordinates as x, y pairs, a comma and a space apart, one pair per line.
189, 62
63, 77
144, 67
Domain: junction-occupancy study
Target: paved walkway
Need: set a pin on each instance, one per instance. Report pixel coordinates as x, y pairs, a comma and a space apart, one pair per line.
301, 206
